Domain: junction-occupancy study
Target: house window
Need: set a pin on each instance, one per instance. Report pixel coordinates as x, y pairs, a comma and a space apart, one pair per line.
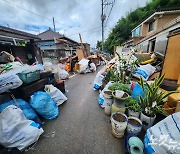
151, 26
137, 32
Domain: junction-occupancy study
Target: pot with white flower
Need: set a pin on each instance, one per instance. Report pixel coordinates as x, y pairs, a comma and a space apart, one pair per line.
133, 107
152, 103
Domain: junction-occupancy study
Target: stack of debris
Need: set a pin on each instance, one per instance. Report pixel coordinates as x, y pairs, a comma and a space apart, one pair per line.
20, 121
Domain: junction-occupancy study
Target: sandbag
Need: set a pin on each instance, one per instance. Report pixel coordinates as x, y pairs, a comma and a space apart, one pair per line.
44, 105
164, 137
55, 94
28, 111
144, 71
16, 131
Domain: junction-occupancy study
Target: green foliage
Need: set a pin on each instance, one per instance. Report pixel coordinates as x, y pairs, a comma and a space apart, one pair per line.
133, 105
99, 45
111, 75
122, 30
119, 86
153, 100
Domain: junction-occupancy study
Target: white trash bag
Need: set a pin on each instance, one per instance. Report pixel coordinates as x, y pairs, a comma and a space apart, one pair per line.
62, 74
16, 130
55, 94
83, 65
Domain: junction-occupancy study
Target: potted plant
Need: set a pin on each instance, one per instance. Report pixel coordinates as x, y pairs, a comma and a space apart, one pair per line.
152, 102
120, 95
133, 107
119, 86
134, 125
119, 124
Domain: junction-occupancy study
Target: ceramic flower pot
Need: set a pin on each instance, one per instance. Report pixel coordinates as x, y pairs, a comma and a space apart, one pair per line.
133, 113
115, 109
107, 93
147, 121
134, 125
120, 101
119, 124
136, 145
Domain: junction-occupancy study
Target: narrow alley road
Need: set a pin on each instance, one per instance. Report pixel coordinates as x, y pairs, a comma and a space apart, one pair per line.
82, 127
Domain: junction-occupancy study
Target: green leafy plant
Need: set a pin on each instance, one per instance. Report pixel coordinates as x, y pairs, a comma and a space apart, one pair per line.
111, 75
133, 105
119, 86
154, 98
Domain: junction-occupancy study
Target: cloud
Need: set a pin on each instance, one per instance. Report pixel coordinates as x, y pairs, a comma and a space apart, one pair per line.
71, 16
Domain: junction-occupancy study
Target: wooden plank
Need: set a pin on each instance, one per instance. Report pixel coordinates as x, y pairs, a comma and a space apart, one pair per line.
171, 65
80, 54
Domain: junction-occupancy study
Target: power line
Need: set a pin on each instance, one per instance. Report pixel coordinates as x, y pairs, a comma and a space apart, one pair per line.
40, 15
110, 11
12, 4
49, 18
84, 31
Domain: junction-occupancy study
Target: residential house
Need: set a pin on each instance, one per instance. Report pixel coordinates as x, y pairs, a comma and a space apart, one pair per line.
152, 33
20, 44
55, 45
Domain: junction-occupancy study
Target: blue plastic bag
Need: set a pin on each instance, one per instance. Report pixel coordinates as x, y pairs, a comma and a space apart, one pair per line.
44, 105
25, 107
136, 92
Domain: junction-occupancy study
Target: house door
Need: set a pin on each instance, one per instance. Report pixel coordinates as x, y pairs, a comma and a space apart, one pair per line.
152, 45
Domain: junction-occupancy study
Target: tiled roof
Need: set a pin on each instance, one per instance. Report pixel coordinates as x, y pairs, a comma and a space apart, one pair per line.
17, 32
49, 35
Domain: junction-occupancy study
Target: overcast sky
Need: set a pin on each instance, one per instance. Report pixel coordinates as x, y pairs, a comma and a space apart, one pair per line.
71, 16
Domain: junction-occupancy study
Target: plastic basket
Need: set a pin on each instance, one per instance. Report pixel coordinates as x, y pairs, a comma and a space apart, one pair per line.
29, 76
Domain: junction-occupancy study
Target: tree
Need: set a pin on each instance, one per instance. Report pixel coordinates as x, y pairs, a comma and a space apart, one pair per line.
99, 45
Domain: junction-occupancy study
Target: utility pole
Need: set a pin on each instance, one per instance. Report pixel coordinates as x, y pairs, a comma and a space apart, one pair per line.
54, 24
103, 17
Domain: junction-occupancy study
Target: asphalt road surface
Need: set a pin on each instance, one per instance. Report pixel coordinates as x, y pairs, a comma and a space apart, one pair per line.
82, 127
